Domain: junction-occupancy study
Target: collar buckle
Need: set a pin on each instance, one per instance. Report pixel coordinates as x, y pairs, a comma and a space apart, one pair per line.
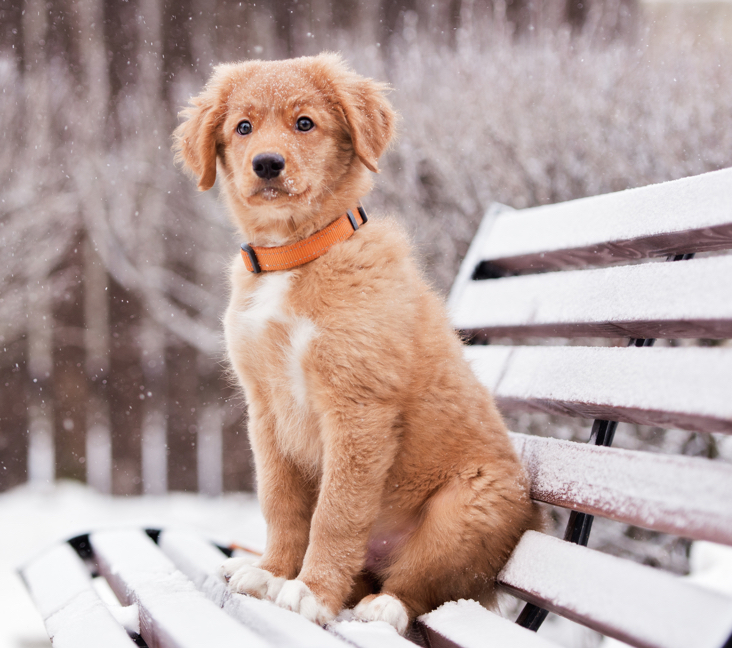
352, 218
251, 255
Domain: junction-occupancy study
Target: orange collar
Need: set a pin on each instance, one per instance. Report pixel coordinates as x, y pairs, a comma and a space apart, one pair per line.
263, 259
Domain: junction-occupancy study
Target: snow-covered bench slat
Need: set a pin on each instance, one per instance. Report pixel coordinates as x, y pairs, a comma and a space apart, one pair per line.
638, 488
691, 385
200, 560
640, 605
654, 300
469, 625
370, 635
682, 216
173, 613
74, 615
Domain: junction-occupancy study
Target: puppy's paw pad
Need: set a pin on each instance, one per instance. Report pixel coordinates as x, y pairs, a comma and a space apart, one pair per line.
383, 607
296, 596
245, 578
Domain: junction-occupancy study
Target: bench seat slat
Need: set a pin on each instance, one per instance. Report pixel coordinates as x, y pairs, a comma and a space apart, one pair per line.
661, 300
638, 488
633, 603
370, 635
682, 216
469, 625
173, 613
200, 561
691, 385
74, 615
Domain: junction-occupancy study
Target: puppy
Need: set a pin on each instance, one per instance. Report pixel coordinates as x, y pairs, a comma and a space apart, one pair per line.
384, 470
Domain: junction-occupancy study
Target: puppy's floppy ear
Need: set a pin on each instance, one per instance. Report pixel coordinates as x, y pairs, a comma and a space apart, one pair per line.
194, 141
370, 118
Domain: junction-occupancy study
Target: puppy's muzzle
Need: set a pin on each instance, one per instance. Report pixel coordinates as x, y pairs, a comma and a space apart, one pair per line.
268, 165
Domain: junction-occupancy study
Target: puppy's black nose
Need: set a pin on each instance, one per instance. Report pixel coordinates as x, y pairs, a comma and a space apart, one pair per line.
268, 165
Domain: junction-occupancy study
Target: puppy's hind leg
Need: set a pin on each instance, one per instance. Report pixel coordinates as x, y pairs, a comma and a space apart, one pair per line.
469, 528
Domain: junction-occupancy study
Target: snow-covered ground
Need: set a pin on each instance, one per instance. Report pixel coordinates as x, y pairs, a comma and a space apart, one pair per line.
33, 518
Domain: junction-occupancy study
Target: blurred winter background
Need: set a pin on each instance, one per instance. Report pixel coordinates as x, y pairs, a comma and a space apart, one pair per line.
111, 264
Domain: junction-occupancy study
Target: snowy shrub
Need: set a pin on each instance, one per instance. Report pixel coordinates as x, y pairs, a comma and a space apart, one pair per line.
533, 122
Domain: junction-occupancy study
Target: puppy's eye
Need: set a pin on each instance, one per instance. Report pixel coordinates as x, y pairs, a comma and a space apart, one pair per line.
305, 124
244, 127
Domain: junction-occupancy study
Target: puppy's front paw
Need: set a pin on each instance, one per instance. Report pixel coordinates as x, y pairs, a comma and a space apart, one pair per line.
296, 596
245, 578
383, 607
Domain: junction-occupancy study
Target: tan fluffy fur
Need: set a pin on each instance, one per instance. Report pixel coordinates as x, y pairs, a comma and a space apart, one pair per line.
382, 464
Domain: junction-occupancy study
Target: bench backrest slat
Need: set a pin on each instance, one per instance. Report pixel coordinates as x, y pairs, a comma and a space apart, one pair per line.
688, 215
608, 594
662, 300
637, 488
690, 386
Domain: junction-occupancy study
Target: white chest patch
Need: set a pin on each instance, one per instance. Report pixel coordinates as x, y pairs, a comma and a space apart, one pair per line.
265, 304
302, 332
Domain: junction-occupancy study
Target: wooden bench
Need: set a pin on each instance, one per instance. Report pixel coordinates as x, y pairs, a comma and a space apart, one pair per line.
590, 268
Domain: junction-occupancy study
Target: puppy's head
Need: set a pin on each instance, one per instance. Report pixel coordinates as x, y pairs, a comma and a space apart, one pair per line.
286, 137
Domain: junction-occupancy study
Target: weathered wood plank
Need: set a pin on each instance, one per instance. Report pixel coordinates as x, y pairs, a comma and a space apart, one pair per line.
75, 616
123, 392
200, 561
707, 239
685, 388
637, 488
68, 379
469, 625
13, 418
181, 404
173, 613
662, 300
689, 215
633, 603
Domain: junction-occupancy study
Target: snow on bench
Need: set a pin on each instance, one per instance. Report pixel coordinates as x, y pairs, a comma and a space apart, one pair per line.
690, 385
670, 300
74, 615
200, 560
634, 487
173, 613
634, 603
470, 625
689, 215
175, 598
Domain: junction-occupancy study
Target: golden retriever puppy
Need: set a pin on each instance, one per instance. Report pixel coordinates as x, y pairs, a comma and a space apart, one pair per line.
384, 470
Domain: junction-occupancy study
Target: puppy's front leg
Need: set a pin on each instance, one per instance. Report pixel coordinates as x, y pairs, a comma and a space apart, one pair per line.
360, 445
287, 499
